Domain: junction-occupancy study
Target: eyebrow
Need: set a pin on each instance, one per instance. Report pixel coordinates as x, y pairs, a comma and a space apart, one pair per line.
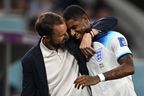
63, 33
72, 27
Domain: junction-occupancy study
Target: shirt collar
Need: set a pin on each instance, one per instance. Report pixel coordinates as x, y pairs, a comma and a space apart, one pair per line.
45, 51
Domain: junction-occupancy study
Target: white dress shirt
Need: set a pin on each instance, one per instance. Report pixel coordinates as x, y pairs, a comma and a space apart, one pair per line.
61, 69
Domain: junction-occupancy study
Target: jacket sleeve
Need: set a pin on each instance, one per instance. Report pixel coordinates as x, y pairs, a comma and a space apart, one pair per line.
29, 88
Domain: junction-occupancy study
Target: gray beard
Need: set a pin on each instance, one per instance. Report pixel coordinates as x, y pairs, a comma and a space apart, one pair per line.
61, 46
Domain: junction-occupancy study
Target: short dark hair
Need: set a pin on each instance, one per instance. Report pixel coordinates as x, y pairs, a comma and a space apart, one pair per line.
46, 21
73, 12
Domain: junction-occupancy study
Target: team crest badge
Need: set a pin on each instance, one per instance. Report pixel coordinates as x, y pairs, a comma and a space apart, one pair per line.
122, 41
99, 55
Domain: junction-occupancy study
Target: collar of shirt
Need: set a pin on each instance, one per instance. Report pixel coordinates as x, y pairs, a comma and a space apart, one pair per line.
45, 51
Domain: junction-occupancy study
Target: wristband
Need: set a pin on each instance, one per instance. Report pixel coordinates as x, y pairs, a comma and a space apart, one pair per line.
99, 31
92, 34
102, 77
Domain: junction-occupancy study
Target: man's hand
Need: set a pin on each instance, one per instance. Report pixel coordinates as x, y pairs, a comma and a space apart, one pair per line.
86, 80
86, 45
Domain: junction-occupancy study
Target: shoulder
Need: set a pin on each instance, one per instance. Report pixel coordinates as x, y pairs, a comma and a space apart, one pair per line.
108, 38
113, 34
29, 54
117, 37
107, 35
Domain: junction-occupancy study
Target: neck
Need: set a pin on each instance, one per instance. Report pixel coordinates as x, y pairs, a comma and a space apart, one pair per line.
49, 45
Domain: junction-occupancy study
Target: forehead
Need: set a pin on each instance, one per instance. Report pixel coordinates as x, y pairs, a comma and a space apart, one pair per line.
72, 22
60, 28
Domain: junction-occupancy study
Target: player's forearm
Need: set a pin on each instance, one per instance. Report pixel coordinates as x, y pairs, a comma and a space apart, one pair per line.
119, 72
126, 68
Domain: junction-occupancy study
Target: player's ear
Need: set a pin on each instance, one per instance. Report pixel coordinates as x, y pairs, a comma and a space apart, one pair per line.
46, 38
85, 19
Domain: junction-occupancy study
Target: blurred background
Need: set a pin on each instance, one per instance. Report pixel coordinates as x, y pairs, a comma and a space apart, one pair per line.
17, 33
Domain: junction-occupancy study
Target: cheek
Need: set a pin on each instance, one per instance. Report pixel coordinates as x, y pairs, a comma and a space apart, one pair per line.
61, 40
85, 24
81, 30
56, 40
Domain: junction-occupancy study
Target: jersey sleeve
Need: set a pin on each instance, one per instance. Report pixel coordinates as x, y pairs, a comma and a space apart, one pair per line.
119, 45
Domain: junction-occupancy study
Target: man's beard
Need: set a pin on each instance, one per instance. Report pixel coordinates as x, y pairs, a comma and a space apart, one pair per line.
59, 46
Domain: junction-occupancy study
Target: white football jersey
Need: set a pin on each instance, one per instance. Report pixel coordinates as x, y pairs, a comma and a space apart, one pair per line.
109, 48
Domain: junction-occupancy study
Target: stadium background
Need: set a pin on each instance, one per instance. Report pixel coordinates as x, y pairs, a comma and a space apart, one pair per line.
17, 34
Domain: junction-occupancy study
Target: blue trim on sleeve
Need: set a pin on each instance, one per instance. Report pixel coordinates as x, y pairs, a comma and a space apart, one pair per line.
123, 55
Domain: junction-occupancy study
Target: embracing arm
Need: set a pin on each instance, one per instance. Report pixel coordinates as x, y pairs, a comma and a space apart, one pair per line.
86, 43
126, 68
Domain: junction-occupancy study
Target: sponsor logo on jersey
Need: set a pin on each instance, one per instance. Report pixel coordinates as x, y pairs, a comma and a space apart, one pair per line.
122, 41
99, 55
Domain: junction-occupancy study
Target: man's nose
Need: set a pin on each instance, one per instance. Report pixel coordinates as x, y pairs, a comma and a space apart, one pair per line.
66, 36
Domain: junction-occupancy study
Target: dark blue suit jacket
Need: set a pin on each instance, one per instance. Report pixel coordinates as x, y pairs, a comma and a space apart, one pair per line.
34, 74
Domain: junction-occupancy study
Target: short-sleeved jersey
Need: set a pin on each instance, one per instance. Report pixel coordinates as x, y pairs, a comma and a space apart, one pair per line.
109, 48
